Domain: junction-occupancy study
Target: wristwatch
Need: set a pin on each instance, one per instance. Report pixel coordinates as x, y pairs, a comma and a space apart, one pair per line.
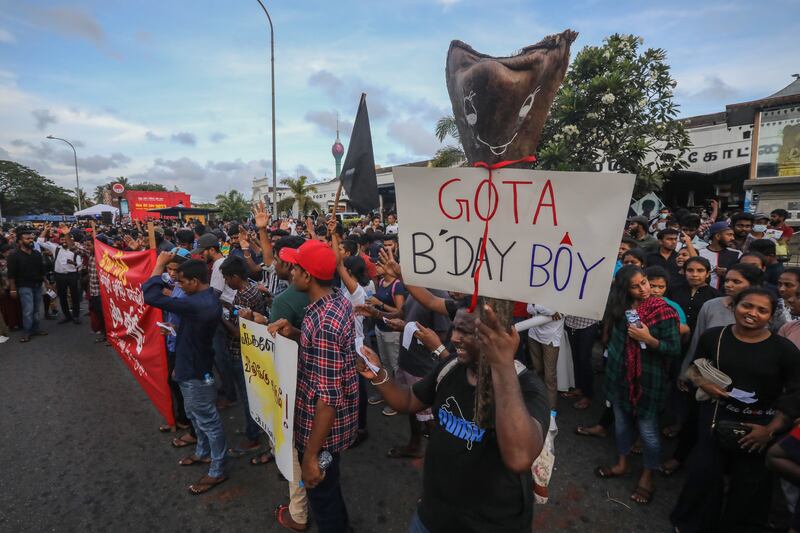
437, 353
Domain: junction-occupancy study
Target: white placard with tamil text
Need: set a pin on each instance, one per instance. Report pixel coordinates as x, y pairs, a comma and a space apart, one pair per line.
553, 236
270, 374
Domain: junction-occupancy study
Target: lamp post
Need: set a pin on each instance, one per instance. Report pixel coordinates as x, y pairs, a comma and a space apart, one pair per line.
272, 66
77, 181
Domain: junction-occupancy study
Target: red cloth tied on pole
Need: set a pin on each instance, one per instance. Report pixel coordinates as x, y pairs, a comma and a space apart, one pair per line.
482, 250
131, 324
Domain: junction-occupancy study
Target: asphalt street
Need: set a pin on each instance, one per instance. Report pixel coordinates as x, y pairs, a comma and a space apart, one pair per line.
81, 451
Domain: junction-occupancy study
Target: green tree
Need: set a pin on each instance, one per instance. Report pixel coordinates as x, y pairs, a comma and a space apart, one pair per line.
25, 191
99, 193
146, 186
615, 108
301, 193
85, 202
123, 180
233, 205
450, 155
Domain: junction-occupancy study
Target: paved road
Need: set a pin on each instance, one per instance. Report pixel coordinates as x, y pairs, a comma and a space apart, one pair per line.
80, 451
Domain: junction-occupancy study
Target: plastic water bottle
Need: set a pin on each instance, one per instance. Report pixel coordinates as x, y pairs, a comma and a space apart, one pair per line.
208, 379
324, 459
552, 432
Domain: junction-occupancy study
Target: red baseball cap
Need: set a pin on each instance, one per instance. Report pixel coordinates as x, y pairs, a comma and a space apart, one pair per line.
315, 257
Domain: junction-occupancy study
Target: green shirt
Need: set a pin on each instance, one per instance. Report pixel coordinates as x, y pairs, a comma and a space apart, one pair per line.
655, 368
648, 243
290, 304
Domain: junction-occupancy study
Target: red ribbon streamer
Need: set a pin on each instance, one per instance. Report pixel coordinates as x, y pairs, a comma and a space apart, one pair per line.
482, 250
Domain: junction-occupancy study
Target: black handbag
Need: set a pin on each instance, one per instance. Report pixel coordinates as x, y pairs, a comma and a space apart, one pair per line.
727, 432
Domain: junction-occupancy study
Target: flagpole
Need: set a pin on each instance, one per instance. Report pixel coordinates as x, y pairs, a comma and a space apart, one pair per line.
336, 200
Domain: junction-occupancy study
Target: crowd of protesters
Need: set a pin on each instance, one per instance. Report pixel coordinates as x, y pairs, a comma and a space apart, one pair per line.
699, 344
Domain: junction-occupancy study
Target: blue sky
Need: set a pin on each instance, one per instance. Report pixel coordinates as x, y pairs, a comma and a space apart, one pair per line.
177, 92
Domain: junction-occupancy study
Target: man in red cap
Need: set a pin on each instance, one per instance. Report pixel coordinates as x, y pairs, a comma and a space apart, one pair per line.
326, 409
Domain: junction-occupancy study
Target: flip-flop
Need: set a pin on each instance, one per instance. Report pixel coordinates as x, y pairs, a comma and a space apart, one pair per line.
605, 472
25, 339
166, 429
583, 403
191, 460
239, 451
645, 495
667, 472
569, 395
280, 516
401, 452
262, 459
581, 430
205, 484
178, 442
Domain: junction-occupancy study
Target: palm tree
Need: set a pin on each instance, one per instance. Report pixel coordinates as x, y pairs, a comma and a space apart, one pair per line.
122, 180
234, 206
449, 156
85, 201
301, 193
99, 193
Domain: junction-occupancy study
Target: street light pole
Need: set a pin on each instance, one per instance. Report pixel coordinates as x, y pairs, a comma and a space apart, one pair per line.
77, 181
272, 65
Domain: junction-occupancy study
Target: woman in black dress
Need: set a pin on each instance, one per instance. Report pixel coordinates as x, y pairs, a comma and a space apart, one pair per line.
758, 363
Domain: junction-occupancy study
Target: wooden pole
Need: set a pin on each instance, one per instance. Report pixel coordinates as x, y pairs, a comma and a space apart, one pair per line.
151, 235
335, 207
94, 229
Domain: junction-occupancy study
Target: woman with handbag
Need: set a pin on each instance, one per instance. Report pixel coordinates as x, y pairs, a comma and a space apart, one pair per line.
644, 337
735, 426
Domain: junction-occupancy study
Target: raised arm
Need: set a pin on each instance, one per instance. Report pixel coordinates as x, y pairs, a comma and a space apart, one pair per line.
423, 296
262, 223
349, 281
400, 398
519, 435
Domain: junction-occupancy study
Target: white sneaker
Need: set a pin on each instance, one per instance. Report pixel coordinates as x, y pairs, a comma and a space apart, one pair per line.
388, 411
3, 339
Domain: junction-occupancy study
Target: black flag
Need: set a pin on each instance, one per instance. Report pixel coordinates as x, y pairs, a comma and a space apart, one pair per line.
358, 172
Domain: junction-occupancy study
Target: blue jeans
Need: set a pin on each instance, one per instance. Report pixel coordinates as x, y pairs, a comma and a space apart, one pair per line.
326, 500
222, 360
30, 299
416, 525
199, 400
251, 430
624, 425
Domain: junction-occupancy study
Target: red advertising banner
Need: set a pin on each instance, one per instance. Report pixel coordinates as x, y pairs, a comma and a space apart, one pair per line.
139, 202
131, 324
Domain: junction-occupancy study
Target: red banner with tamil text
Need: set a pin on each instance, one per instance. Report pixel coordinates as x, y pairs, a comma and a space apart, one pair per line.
131, 324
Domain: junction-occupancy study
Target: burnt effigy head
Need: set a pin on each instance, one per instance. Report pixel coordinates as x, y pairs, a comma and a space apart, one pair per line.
500, 103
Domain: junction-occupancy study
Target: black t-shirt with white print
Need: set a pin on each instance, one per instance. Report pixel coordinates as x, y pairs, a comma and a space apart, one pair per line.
466, 486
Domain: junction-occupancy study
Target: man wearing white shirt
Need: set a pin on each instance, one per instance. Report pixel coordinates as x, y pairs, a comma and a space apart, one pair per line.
544, 343
391, 223
67, 267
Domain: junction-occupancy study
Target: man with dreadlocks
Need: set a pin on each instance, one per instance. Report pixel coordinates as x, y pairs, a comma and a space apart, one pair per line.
475, 479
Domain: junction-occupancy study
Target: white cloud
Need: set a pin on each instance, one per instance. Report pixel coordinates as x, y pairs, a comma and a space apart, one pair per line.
417, 138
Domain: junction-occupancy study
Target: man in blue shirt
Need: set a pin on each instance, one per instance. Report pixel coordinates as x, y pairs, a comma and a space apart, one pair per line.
199, 314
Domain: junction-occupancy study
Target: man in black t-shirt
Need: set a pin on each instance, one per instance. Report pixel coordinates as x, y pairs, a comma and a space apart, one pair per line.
475, 479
